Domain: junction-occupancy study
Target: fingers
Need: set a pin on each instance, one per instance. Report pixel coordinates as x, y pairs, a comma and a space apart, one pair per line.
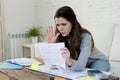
51, 29
64, 49
57, 35
65, 53
48, 31
50, 34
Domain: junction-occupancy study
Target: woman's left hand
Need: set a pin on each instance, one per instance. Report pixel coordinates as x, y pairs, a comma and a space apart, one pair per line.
66, 55
50, 34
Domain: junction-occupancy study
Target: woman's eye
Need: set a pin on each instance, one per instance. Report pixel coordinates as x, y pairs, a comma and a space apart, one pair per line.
64, 24
57, 24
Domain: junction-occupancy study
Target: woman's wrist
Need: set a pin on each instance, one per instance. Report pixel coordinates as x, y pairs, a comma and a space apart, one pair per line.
69, 62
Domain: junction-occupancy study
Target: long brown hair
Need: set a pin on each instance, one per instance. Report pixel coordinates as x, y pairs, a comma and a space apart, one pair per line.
74, 37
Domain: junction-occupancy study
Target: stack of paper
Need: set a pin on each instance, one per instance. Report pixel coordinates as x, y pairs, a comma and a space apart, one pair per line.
18, 63
23, 61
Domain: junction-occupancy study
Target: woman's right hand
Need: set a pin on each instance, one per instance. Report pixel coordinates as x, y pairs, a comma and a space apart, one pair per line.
50, 35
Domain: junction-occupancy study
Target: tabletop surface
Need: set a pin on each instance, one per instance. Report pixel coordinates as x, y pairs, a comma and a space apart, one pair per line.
26, 74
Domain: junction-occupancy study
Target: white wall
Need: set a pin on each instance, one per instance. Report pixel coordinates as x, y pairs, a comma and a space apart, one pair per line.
19, 15
101, 11
88, 11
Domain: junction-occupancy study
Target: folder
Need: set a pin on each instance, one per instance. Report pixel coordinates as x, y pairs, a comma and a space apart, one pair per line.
8, 65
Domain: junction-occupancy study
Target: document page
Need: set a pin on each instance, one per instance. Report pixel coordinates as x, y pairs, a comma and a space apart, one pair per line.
57, 71
51, 54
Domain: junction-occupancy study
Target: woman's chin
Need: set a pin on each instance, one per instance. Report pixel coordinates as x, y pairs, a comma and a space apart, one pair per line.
64, 35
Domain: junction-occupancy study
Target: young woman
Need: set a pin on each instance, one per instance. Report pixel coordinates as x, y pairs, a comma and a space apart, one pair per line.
79, 51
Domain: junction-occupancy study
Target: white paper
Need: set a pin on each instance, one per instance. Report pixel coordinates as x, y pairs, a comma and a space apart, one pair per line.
51, 54
62, 72
23, 61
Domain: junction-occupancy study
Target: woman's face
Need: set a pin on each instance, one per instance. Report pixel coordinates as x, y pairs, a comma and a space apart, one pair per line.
63, 26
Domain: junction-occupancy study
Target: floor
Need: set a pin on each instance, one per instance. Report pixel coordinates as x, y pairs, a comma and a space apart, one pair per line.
3, 77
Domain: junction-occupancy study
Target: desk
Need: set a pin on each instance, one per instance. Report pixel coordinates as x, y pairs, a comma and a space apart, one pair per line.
25, 74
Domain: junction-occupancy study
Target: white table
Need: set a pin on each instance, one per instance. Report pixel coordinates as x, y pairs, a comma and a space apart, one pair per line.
31, 50
28, 50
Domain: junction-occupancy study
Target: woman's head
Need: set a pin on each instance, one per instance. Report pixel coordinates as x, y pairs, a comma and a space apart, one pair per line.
67, 25
64, 20
63, 26
67, 13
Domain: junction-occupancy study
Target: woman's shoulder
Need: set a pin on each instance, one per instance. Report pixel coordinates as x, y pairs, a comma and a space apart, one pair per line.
85, 35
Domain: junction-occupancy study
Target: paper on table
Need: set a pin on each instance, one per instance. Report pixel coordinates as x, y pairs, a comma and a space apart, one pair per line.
62, 73
51, 53
23, 61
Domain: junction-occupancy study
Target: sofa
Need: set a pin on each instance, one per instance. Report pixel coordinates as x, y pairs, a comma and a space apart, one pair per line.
107, 40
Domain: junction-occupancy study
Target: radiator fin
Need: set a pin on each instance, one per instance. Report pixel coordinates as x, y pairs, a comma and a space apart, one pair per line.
15, 44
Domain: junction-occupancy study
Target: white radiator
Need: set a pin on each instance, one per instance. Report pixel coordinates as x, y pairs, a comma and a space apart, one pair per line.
15, 44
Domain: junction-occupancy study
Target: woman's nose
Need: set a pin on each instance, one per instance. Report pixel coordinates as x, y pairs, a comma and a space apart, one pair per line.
61, 28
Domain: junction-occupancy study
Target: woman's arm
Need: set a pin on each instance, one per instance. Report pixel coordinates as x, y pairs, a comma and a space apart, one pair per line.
85, 48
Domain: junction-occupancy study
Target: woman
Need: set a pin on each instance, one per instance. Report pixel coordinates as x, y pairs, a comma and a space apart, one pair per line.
79, 51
